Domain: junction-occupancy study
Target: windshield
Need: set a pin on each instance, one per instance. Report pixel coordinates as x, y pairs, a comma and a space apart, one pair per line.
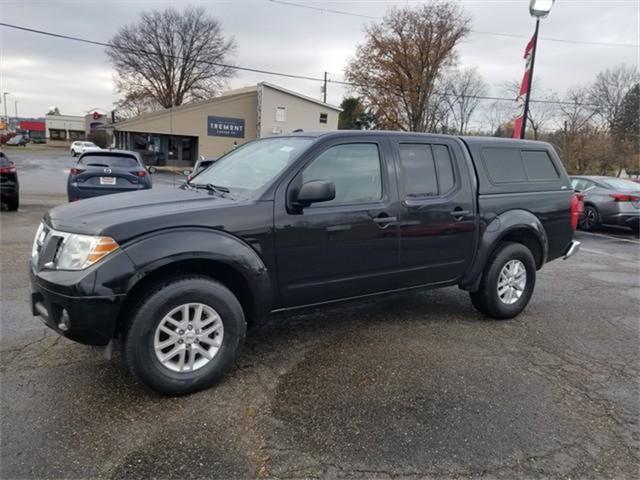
252, 166
621, 184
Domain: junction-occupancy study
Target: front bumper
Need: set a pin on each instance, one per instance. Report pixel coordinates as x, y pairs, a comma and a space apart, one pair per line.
91, 320
82, 305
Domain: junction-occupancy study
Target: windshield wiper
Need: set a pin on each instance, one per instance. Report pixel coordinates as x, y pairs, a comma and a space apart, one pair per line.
210, 186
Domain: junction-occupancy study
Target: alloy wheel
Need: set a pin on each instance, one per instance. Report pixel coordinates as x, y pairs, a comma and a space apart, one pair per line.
188, 337
588, 218
512, 281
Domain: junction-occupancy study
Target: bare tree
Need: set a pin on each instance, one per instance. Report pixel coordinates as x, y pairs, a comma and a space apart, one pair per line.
397, 67
542, 108
496, 115
134, 104
609, 89
171, 57
463, 88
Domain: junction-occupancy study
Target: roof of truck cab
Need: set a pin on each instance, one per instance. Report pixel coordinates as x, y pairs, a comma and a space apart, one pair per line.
349, 133
470, 140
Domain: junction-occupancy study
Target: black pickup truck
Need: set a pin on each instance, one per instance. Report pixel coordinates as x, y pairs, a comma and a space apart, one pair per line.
294, 221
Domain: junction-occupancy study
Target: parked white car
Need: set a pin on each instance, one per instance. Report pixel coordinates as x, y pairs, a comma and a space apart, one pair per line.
78, 148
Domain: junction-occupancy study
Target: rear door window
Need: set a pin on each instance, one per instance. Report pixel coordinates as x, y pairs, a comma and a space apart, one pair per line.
113, 161
427, 170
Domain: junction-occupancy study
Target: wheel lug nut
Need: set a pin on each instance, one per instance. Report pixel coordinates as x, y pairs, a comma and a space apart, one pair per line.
180, 341
190, 326
180, 332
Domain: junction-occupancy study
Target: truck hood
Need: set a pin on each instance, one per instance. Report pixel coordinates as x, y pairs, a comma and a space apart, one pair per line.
126, 215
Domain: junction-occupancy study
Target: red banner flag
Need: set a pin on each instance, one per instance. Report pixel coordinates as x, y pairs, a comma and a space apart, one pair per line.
524, 86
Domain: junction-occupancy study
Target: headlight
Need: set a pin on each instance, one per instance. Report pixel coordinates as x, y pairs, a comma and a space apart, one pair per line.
78, 252
38, 240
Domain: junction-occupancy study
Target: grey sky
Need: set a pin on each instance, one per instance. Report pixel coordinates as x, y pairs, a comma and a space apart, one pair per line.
41, 72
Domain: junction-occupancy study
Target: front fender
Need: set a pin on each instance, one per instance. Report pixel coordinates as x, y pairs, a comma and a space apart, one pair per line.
512, 221
159, 249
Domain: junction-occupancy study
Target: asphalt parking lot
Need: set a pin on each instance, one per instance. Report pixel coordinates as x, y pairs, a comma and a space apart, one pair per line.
413, 385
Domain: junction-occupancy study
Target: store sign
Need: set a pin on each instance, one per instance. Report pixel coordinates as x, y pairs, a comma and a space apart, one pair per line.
225, 127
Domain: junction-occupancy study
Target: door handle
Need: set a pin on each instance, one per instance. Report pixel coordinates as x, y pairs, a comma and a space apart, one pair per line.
383, 221
459, 213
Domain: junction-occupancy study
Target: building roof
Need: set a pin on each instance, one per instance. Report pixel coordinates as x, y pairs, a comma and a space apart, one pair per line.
224, 96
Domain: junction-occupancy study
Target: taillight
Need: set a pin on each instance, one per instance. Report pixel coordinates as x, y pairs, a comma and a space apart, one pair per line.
76, 171
140, 173
577, 207
7, 169
621, 197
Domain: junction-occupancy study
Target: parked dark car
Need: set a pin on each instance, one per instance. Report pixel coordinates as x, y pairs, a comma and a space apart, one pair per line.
106, 171
608, 201
9, 183
295, 221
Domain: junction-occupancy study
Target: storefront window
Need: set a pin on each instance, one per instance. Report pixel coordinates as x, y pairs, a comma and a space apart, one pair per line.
76, 135
56, 134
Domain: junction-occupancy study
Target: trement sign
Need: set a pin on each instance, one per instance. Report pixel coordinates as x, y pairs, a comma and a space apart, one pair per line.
225, 127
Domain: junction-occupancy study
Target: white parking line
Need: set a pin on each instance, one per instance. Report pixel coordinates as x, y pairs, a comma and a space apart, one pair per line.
611, 237
599, 252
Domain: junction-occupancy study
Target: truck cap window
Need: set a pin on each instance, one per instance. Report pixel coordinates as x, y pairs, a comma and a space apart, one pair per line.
513, 165
539, 166
504, 165
353, 168
253, 165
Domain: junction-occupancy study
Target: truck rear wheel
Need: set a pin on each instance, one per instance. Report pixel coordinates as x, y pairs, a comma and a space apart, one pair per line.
184, 335
507, 282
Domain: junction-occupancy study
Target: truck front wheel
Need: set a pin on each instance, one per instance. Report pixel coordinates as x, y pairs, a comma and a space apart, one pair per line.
507, 282
184, 335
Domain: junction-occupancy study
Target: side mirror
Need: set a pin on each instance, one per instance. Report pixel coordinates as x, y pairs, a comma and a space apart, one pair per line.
151, 169
186, 172
314, 192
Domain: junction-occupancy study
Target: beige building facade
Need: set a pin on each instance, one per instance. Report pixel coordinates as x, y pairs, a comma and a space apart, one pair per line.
211, 128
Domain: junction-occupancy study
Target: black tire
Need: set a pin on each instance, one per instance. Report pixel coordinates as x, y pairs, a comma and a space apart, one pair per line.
487, 300
139, 334
13, 203
590, 220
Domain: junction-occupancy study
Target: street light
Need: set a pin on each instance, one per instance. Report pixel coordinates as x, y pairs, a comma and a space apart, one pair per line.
538, 9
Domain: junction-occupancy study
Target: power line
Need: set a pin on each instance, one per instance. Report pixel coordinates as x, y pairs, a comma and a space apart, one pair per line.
481, 32
255, 70
148, 52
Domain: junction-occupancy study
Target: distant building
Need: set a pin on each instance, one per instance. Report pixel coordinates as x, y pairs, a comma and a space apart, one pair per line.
211, 128
64, 129
35, 129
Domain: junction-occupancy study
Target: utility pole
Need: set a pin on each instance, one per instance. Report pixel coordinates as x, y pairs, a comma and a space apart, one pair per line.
6, 116
324, 88
533, 62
